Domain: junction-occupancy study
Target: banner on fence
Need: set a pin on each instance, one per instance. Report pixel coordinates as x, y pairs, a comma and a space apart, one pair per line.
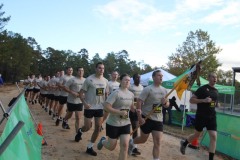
27, 144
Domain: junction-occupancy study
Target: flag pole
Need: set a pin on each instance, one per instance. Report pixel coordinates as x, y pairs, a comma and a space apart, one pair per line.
184, 110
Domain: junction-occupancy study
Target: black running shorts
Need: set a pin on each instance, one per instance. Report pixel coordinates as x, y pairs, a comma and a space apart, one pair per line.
90, 113
151, 125
209, 122
74, 107
62, 100
114, 132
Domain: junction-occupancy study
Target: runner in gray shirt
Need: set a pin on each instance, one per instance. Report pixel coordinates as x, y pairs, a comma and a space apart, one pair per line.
136, 88
93, 94
63, 94
74, 104
152, 98
113, 85
118, 104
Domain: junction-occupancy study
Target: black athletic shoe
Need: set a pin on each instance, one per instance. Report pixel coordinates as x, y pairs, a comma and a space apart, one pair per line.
78, 136
91, 152
50, 112
32, 102
35, 101
65, 125
182, 147
57, 122
135, 151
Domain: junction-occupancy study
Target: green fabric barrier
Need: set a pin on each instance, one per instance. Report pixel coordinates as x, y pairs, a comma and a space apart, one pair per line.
27, 144
221, 88
228, 135
177, 117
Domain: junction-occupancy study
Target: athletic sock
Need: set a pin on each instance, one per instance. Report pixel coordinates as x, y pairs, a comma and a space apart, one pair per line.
185, 143
135, 145
211, 155
90, 145
80, 130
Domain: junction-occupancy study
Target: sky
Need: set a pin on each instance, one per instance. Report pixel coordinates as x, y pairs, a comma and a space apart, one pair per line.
150, 30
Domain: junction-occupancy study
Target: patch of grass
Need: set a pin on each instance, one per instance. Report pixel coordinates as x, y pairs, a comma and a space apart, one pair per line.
177, 131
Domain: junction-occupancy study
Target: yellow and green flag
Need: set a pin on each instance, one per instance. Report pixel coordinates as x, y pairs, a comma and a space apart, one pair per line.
186, 82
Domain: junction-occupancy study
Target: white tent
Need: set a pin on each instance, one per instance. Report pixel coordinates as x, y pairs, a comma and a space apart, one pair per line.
147, 77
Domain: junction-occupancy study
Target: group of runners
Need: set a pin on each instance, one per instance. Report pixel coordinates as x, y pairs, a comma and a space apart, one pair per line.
125, 107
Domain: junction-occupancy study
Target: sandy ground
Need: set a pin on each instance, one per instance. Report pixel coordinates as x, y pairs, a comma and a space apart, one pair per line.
61, 144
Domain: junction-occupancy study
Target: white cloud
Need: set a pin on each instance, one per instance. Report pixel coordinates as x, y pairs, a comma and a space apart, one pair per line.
137, 16
229, 55
228, 15
143, 17
197, 5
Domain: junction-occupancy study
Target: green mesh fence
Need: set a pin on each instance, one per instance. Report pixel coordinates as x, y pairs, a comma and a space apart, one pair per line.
228, 135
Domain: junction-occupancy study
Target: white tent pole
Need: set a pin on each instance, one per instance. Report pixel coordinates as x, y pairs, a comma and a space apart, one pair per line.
184, 109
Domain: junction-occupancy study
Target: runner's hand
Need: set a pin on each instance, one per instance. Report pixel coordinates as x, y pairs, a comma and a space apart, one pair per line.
87, 106
123, 113
75, 94
141, 121
207, 100
163, 101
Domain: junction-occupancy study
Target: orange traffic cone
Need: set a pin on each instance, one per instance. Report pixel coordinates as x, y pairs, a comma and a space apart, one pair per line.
39, 131
194, 144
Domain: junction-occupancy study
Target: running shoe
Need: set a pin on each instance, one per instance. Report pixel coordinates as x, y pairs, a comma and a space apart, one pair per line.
91, 152
65, 125
182, 147
78, 136
135, 151
100, 144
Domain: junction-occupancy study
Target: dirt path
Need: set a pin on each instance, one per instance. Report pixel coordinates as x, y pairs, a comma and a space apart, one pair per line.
61, 144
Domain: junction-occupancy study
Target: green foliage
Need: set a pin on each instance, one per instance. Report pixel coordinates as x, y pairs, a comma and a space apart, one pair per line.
20, 57
198, 46
3, 20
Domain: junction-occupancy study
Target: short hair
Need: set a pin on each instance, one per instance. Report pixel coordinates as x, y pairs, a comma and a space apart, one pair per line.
123, 75
135, 75
79, 68
155, 72
115, 71
98, 64
211, 74
68, 67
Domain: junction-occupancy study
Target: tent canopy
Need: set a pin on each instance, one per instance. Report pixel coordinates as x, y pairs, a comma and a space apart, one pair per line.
221, 88
146, 78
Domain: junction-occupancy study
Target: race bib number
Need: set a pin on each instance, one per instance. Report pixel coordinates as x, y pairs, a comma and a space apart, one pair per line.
213, 104
100, 91
127, 116
157, 108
